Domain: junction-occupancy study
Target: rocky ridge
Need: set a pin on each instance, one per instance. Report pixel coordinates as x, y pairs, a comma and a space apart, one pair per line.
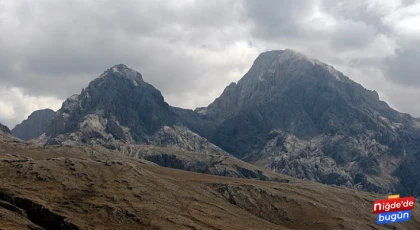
34, 126
6, 135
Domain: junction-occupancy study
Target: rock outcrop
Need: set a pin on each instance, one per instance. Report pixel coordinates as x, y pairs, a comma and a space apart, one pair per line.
6, 135
4, 129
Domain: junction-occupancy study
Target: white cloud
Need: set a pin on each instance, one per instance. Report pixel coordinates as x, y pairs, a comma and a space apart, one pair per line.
404, 21
15, 106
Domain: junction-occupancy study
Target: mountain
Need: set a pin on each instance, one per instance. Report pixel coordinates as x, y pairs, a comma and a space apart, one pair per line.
289, 114
200, 123
4, 129
6, 135
298, 116
4, 132
117, 105
122, 112
90, 187
35, 125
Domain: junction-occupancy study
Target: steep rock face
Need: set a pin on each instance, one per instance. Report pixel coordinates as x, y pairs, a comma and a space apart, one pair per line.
35, 125
6, 135
198, 122
4, 129
118, 105
301, 117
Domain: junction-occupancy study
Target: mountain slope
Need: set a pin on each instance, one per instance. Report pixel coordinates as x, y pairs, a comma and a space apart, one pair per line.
200, 123
4, 129
92, 188
301, 117
6, 135
35, 125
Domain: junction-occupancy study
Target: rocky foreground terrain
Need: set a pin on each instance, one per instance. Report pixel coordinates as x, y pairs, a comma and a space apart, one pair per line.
94, 188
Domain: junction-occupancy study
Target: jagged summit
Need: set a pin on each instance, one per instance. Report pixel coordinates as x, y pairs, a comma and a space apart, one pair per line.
286, 53
120, 67
268, 65
34, 125
6, 135
118, 104
122, 71
269, 76
4, 129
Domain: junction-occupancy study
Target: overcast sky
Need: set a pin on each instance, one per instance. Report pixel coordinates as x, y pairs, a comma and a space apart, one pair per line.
191, 50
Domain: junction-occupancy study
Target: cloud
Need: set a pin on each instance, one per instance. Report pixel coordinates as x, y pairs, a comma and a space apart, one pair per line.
350, 34
57, 47
404, 68
272, 18
15, 106
192, 49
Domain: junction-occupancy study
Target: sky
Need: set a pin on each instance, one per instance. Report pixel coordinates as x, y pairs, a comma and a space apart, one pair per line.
192, 49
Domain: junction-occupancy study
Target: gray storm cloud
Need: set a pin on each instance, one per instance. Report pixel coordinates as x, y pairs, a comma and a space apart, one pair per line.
190, 50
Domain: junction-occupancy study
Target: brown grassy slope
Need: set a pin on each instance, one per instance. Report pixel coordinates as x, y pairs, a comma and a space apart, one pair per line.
89, 188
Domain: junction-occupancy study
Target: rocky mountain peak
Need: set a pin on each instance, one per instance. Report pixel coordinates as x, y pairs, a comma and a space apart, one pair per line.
4, 129
35, 125
327, 127
273, 73
284, 65
121, 71
6, 135
118, 105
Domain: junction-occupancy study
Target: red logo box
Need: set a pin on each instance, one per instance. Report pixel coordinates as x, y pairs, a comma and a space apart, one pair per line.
393, 205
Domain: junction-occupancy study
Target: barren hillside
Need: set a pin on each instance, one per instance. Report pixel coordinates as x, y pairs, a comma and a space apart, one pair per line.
93, 188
